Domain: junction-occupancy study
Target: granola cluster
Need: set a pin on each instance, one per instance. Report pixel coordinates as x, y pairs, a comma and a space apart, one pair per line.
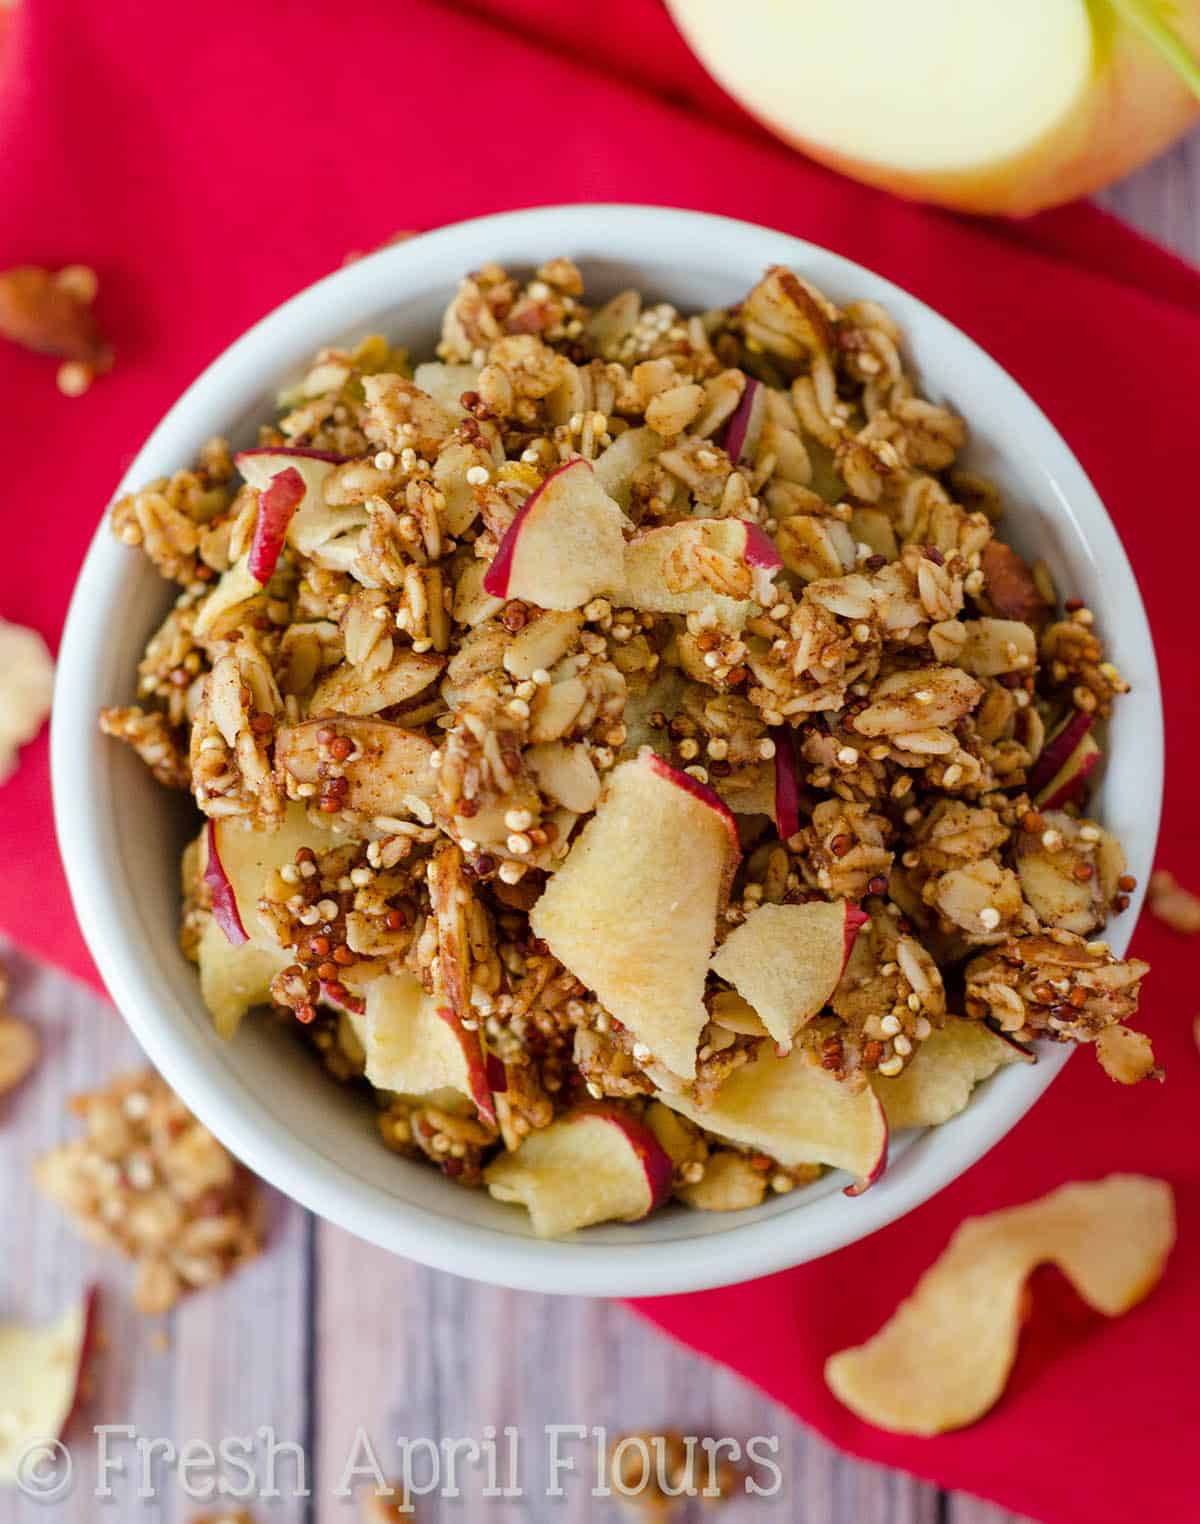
888, 699
150, 1181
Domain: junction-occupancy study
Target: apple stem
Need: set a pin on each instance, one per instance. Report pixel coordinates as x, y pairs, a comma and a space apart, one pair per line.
1149, 17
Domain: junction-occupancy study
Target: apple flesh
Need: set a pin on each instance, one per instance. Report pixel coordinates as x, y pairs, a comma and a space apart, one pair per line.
42, 1380
616, 467
565, 545
224, 901
235, 979
632, 910
787, 960
937, 1081
594, 1164
416, 1045
985, 108
277, 503
797, 1113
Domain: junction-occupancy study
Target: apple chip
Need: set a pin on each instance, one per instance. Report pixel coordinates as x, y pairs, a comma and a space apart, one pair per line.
42, 1380
943, 1358
946, 1067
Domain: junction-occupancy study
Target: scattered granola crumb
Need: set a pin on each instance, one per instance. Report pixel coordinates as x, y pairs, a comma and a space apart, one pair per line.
376, 1507
149, 1180
26, 686
51, 314
239, 1516
1172, 904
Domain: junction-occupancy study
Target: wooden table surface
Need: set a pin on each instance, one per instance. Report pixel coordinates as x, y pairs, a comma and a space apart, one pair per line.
325, 1335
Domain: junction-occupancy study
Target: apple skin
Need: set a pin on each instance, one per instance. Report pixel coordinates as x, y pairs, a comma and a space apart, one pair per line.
787, 786
698, 790
297, 451
224, 902
745, 423
499, 573
1069, 782
761, 549
655, 1161
1135, 107
495, 1073
352, 1005
276, 505
859, 1186
856, 919
1058, 748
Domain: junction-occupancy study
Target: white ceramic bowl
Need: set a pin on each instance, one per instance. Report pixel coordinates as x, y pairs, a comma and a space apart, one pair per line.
120, 834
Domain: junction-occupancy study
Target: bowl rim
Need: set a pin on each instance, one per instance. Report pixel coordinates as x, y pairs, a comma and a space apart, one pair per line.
213, 1090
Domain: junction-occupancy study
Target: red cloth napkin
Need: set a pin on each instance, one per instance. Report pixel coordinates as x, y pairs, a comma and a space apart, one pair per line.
209, 165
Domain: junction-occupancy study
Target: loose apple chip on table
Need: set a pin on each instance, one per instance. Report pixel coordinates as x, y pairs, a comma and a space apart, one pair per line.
150, 1181
26, 687
43, 1378
942, 1360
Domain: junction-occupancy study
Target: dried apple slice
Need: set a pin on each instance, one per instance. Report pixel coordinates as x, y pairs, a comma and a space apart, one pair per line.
236, 586
1059, 745
239, 863
745, 422
615, 468
937, 1082
943, 1358
700, 564
797, 1113
234, 979
594, 1164
415, 1044
787, 783
388, 766
632, 911
565, 545
1071, 779
786, 960
42, 1380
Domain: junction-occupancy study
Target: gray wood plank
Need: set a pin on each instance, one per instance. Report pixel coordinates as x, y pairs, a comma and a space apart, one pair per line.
1163, 199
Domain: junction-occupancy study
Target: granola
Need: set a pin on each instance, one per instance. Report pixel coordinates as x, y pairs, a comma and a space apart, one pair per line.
525, 688
150, 1181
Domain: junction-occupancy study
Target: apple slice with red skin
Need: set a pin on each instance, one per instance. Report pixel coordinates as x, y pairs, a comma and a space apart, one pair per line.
312, 521
593, 1164
632, 910
42, 1380
415, 1044
1071, 779
740, 439
650, 578
787, 960
794, 1111
565, 545
276, 505
1058, 748
240, 863
938, 1079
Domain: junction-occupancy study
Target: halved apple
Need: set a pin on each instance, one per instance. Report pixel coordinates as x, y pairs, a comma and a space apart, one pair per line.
565, 545
986, 108
415, 1044
632, 911
234, 979
937, 1081
594, 1164
662, 569
277, 503
786, 960
388, 767
797, 1113
239, 863
312, 521
42, 1380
